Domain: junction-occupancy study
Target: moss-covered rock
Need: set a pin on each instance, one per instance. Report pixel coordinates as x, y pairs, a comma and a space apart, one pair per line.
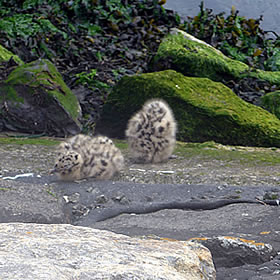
205, 110
271, 102
192, 57
35, 99
5, 55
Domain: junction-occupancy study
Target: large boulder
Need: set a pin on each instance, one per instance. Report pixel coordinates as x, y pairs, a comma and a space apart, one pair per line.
205, 110
36, 251
229, 251
186, 54
35, 99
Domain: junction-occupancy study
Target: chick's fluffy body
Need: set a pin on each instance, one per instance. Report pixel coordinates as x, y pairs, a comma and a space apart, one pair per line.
84, 156
151, 132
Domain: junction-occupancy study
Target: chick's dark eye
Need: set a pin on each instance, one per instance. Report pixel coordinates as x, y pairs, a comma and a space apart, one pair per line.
76, 157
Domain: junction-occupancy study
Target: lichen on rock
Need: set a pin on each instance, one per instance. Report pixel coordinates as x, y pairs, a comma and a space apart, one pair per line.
205, 110
35, 99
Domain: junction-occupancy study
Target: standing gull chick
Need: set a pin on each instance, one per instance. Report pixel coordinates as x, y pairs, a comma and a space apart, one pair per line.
151, 132
84, 156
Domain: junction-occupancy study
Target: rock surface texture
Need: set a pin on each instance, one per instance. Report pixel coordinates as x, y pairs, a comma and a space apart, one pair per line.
34, 251
35, 99
230, 251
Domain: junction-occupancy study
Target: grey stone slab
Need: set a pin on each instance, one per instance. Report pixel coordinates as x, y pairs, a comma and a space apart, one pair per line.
30, 202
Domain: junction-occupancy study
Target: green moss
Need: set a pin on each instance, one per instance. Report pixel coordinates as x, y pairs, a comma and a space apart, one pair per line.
120, 144
42, 73
5, 55
4, 189
193, 58
51, 192
10, 94
205, 110
271, 102
28, 141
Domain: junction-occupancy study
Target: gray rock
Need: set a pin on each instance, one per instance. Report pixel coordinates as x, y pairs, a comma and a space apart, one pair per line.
231, 251
35, 99
30, 202
266, 271
34, 251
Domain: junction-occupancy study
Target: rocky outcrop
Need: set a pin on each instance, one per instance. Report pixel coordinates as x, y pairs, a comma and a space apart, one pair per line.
231, 251
205, 110
192, 57
35, 99
35, 251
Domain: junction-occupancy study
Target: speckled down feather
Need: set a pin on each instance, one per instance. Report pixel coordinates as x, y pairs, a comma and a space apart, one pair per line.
151, 132
83, 156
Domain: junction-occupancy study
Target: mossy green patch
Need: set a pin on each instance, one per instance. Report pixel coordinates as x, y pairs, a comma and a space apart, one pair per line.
5, 55
4, 189
122, 145
10, 94
194, 58
205, 110
211, 151
28, 141
271, 102
248, 156
41, 74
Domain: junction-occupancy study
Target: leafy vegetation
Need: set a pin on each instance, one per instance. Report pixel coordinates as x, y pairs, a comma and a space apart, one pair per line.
236, 37
71, 29
89, 79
